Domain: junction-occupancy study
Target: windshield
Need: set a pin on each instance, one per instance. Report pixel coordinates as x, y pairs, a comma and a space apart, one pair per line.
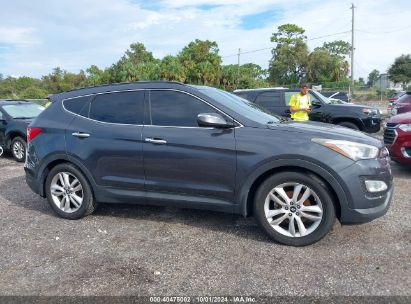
328, 100
23, 111
240, 105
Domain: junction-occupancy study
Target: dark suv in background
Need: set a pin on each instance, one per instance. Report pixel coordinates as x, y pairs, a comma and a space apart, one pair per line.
15, 116
357, 117
193, 146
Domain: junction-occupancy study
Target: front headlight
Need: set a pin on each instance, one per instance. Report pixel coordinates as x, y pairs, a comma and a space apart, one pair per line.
349, 149
405, 127
370, 111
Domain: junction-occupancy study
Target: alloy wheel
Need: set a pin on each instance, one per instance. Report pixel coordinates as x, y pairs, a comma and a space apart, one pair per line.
66, 192
293, 209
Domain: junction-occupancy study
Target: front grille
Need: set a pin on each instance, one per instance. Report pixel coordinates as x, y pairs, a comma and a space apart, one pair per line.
391, 125
389, 135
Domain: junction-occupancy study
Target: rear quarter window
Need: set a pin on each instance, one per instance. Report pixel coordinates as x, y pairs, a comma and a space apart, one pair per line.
78, 105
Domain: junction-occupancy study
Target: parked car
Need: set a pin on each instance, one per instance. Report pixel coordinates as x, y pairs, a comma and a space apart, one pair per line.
402, 105
15, 116
397, 137
394, 97
363, 118
194, 146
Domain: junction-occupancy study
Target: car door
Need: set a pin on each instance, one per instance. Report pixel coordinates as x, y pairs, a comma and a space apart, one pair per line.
182, 158
106, 138
318, 109
3, 125
272, 101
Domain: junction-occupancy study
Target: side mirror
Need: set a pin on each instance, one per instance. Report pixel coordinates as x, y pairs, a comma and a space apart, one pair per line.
316, 103
213, 120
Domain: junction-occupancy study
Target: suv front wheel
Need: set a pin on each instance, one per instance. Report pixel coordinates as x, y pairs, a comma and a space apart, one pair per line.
69, 193
294, 209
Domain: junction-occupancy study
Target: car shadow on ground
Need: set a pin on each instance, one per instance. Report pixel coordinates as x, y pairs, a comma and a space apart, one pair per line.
16, 191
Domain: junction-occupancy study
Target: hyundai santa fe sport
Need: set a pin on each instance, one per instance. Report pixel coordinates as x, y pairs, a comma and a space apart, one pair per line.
179, 145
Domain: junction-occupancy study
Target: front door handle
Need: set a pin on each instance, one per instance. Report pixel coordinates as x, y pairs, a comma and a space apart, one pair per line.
80, 134
156, 141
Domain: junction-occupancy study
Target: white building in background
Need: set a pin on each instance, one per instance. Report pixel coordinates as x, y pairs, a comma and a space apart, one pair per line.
383, 83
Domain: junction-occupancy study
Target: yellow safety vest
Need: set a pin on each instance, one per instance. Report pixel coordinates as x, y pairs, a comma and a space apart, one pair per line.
297, 101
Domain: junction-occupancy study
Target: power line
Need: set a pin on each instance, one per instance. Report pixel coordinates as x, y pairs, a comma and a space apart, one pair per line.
271, 47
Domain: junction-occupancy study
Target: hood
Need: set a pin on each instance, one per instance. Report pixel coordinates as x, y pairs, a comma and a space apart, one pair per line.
352, 106
330, 131
404, 118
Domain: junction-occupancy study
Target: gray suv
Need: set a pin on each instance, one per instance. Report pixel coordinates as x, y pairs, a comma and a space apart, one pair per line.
195, 146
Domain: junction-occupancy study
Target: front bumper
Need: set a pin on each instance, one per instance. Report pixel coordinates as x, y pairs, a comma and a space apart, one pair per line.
401, 147
364, 206
372, 124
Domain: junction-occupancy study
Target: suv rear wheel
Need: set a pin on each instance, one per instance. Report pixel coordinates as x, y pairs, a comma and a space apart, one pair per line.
18, 149
69, 193
294, 209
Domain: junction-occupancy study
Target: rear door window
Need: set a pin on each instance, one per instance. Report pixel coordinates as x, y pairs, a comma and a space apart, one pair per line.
270, 100
119, 108
172, 108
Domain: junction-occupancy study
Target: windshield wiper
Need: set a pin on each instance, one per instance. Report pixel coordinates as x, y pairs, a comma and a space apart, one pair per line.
22, 117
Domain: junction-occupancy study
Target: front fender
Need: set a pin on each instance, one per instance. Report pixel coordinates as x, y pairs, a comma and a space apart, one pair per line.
333, 180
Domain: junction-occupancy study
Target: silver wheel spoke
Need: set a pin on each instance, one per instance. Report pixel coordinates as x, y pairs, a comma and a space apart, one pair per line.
283, 195
75, 203
305, 196
78, 199
291, 227
61, 179
279, 220
297, 190
301, 227
273, 213
315, 209
277, 200
57, 190
310, 216
66, 180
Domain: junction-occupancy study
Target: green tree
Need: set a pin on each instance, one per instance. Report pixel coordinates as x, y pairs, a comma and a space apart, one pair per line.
400, 71
201, 62
373, 77
289, 56
338, 48
136, 64
33, 93
172, 69
96, 76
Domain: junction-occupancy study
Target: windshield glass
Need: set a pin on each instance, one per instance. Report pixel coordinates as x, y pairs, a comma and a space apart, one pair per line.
29, 110
324, 99
240, 105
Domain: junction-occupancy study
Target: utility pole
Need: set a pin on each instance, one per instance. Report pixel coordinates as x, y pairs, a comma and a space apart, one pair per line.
238, 63
352, 48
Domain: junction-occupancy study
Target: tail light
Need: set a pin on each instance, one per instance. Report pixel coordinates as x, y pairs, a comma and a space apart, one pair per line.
32, 133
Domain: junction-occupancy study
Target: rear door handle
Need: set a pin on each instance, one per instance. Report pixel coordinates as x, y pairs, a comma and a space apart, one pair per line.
80, 134
156, 141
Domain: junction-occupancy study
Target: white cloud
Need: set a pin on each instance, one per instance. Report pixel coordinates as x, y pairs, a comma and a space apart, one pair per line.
76, 34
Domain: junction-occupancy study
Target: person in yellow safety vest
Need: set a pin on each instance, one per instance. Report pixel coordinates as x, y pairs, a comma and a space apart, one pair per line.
300, 104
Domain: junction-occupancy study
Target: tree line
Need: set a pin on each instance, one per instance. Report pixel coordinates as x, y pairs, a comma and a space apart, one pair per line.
200, 63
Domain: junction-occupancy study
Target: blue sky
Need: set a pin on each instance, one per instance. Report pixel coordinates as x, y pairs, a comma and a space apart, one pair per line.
36, 36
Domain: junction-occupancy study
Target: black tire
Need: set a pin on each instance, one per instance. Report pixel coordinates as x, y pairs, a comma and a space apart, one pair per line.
18, 149
88, 205
328, 209
349, 125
